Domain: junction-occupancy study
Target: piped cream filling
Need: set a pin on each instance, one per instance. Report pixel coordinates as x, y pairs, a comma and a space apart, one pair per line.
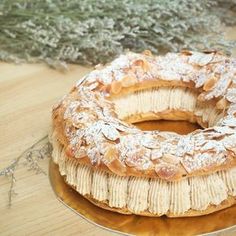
217, 190
57, 149
179, 197
198, 193
84, 179
158, 100
138, 189
99, 188
159, 197
229, 178
139, 194
118, 191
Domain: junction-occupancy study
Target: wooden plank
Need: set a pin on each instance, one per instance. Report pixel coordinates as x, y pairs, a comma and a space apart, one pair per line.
27, 93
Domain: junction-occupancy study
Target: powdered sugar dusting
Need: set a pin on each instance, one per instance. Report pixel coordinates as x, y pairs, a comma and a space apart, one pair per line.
91, 123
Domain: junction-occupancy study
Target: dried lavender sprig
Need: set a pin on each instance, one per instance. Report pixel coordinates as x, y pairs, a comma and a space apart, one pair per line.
31, 155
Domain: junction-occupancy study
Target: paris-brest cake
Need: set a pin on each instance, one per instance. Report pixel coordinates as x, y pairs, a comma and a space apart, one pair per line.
119, 167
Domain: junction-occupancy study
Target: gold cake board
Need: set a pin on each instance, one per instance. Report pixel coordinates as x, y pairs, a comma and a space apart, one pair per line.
222, 222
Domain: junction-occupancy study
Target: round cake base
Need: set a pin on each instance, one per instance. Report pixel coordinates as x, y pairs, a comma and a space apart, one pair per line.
223, 221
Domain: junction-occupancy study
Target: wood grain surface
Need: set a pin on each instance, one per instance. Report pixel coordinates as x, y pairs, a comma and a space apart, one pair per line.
27, 93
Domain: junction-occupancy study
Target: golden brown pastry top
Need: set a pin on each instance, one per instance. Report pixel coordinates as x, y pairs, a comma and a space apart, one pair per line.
87, 125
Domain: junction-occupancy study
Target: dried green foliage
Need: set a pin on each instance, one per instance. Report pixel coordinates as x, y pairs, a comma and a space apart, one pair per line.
226, 11
93, 31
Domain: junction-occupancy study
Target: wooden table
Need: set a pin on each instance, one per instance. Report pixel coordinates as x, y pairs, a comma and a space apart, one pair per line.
27, 93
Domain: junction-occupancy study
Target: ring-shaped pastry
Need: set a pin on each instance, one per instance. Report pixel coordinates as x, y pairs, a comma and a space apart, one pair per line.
121, 168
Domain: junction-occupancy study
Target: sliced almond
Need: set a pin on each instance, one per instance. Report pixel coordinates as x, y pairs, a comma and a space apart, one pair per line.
142, 63
99, 66
210, 83
110, 132
231, 95
222, 104
166, 171
93, 86
169, 158
207, 51
147, 53
105, 88
80, 152
150, 142
156, 154
233, 150
135, 158
201, 97
201, 59
186, 52
94, 156
117, 167
110, 154
69, 151
116, 87
128, 81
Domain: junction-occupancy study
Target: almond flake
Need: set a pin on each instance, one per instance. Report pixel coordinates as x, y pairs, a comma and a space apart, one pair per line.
213, 145
156, 154
185, 145
169, 158
222, 104
94, 155
117, 167
229, 141
200, 59
138, 159
116, 87
128, 81
149, 142
224, 130
231, 95
186, 52
232, 109
143, 64
166, 171
221, 87
110, 132
147, 53
229, 121
199, 161
210, 83
201, 78
123, 128
110, 154
93, 86
80, 152
201, 97
99, 66
79, 82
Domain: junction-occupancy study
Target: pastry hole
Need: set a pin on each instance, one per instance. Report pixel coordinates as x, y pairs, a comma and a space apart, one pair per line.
170, 104
179, 127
